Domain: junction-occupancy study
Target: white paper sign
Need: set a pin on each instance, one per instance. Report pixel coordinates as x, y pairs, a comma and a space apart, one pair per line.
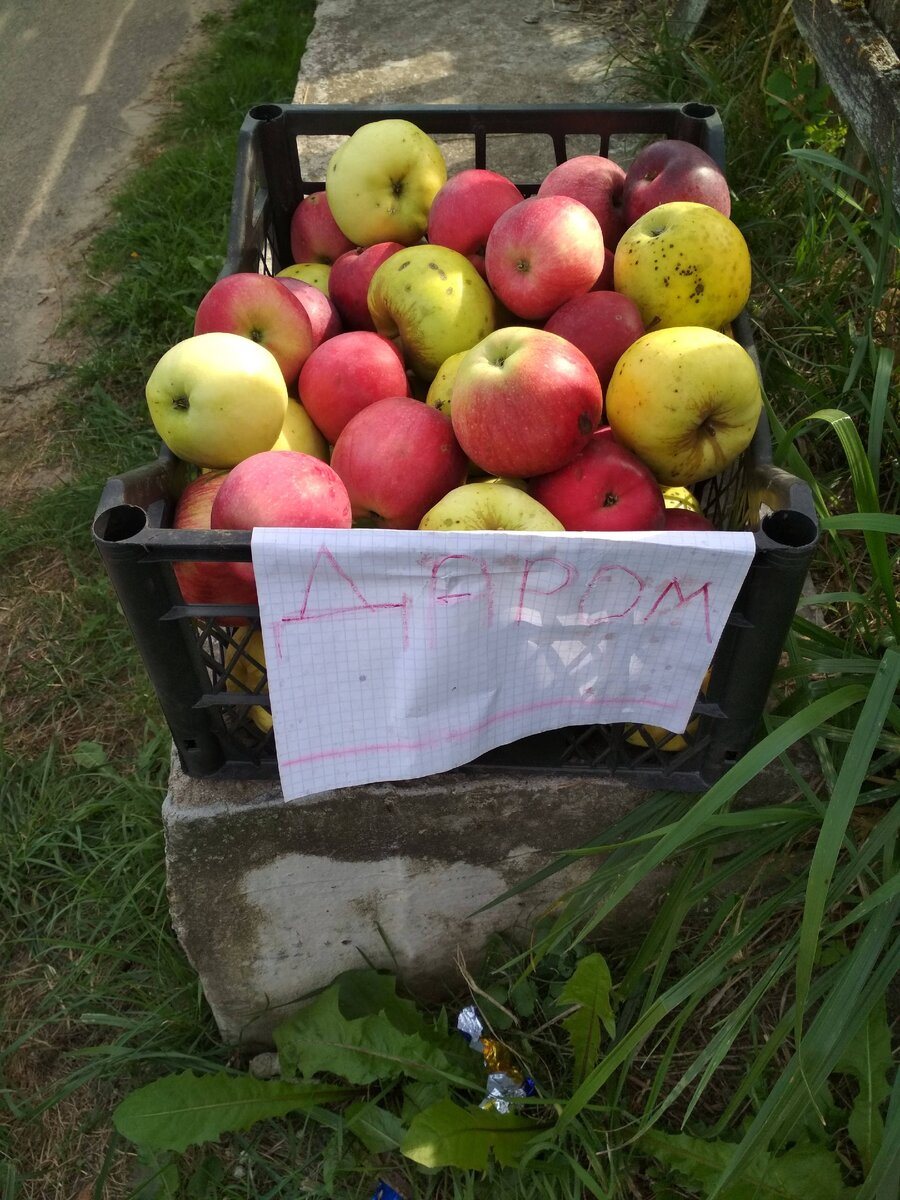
393, 654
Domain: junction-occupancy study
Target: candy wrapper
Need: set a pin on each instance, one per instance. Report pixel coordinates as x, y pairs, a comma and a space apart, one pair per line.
505, 1081
384, 1191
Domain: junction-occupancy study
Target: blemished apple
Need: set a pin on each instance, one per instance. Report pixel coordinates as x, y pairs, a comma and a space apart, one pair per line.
604, 489
465, 209
381, 182
315, 273
349, 282
217, 398
259, 308
281, 489
300, 433
324, 318
673, 170
684, 264
440, 390
685, 518
397, 458
524, 402
680, 497
602, 325
490, 505
434, 301
210, 582
598, 183
315, 236
542, 252
686, 401
346, 374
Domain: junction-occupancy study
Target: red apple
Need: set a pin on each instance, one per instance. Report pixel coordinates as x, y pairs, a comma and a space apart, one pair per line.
603, 489
346, 374
258, 307
324, 317
465, 209
281, 488
602, 325
350, 278
674, 170
524, 402
597, 182
397, 458
315, 236
606, 280
684, 518
542, 252
210, 582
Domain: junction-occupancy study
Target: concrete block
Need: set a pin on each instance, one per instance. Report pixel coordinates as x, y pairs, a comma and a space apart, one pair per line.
271, 899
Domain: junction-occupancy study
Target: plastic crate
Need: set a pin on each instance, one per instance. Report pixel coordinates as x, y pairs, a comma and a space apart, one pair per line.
191, 656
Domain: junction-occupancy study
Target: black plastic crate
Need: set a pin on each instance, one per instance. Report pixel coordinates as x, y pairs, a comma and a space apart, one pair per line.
193, 658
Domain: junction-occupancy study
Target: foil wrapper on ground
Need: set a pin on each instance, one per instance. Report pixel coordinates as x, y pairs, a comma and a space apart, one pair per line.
505, 1081
384, 1191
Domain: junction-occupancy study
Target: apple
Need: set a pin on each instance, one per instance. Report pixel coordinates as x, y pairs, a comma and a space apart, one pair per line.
316, 273
524, 402
259, 308
209, 582
380, 183
324, 318
686, 400
680, 497
542, 252
434, 301
397, 458
245, 663
217, 398
603, 489
346, 374
493, 504
605, 281
598, 183
602, 325
300, 433
684, 264
314, 235
685, 518
351, 275
465, 209
673, 170
655, 736
282, 489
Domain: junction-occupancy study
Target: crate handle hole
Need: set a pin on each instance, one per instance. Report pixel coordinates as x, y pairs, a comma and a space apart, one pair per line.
699, 112
266, 112
789, 528
120, 523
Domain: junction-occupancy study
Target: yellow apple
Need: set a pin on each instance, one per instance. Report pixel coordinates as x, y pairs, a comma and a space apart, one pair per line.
646, 736
684, 264
441, 387
309, 272
299, 433
246, 664
497, 504
686, 401
434, 301
380, 183
681, 497
217, 398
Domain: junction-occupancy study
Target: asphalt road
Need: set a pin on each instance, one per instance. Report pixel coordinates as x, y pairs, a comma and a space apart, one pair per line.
79, 83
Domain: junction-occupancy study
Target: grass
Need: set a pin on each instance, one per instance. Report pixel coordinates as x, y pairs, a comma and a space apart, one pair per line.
750, 1016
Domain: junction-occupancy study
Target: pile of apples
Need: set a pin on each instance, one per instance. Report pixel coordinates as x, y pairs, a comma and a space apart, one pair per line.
446, 354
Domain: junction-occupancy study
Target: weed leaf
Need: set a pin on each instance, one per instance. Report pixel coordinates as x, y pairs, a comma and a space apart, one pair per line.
589, 987
361, 1050
803, 1171
184, 1110
867, 1057
379, 1130
446, 1135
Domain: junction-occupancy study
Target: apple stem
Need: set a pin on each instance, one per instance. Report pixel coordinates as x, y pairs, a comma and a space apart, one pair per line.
181, 402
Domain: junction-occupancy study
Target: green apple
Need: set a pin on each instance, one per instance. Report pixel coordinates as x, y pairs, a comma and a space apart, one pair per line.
380, 183
300, 433
686, 401
217, 398
490, 505
434, 301
441, 387
314, 273
683, 264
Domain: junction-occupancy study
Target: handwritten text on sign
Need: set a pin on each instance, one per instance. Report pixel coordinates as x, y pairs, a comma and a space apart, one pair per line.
394, 654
